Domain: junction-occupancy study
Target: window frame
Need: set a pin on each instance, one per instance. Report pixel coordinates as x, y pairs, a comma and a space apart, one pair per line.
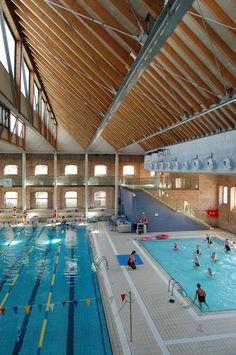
70, 199
69, 166
40, 173
101, 166
100, 198
11, 173
125, 167
12, 204
40, 199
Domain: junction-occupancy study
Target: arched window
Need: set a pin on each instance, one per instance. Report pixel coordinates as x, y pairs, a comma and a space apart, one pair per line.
11, 199
128, 170
41, 199
71, 199
152, 173
71, 170
41, 170
10, 170
100, 170
100, 199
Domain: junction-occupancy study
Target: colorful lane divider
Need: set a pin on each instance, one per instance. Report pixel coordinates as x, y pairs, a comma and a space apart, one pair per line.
27, 308
43, 329
20, 270
7, 246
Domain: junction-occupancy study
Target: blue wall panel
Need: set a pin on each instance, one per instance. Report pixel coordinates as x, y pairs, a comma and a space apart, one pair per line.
135, 204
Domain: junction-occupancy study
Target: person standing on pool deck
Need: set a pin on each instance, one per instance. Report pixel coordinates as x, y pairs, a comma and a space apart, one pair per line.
201, 295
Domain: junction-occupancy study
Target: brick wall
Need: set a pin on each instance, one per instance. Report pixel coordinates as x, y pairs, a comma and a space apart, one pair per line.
70, 159
110, 193
108, 160
39, 159
61, 202
10, 159
3, 190
30, 196
227, 214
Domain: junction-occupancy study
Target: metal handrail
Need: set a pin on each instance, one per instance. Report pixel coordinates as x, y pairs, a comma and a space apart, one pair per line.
181, 287
99, 261
172, 279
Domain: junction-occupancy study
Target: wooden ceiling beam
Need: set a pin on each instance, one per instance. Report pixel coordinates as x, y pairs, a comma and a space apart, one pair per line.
219, 12
198, 93
125, 11
198, 62
207, 53
72, 81
154, 7
177, 90
188, 69
90, 43
100, 33
106, 17
57, 31
37, 46
218, 41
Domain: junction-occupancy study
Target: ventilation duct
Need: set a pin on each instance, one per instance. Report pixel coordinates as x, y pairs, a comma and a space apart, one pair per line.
211, 163
228, 163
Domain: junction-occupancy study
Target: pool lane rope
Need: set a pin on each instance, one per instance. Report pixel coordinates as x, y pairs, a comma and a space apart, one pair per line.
48, 305
7, 246
18, 274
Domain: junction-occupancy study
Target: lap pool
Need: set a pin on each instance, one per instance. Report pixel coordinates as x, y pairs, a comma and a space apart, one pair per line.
220, 289
49, 298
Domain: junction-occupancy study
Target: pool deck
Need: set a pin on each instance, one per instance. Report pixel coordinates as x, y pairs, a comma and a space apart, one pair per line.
159, 327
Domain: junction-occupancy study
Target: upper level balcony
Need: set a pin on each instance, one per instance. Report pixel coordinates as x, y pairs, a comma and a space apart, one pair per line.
39, 180
158, 182
9, 181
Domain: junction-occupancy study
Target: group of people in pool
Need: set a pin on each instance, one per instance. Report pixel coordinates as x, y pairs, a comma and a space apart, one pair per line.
198, 252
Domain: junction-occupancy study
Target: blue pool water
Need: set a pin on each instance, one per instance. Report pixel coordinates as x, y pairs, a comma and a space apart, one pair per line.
220, 289
44, 267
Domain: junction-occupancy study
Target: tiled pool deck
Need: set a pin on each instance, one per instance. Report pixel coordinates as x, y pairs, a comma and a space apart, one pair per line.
159, 327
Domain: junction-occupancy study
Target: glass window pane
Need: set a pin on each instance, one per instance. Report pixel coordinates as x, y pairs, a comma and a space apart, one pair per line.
11, 199
41, 170
71, 199
20, 129
11, 170
24, 78
71, 194
152, 173
225, 194
11, 47
12, 123
36, 97
128, 170
41, 199
100, 199
71, 170
100, 170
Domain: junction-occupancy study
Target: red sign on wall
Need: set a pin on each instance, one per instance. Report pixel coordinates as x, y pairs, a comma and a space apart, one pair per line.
213, 213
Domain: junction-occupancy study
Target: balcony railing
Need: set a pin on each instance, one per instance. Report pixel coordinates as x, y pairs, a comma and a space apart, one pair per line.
160, 183
101, 180
72, 180
39, 180
9, 181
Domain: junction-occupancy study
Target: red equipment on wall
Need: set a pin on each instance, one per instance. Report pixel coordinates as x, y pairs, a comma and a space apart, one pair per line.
213, 213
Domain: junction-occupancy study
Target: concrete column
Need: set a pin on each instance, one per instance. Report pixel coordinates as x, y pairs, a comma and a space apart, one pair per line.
86, 185
116, 183
23, 176
55, 182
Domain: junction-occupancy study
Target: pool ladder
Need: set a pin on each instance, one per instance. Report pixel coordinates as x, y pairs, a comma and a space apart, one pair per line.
99, 262
171, 284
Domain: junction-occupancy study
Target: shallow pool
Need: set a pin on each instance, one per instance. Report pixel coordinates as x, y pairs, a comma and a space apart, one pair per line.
220, 289
49, 297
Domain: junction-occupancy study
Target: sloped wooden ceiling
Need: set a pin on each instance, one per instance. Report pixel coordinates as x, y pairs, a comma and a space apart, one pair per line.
83, 63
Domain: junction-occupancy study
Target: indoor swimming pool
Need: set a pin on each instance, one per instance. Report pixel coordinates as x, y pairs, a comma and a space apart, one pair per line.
49, 296
220, 288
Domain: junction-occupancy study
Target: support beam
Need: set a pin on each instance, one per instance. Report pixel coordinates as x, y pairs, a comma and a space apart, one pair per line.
225, 101
55, 182
86, 186
23, 176
116, 183
161, 31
